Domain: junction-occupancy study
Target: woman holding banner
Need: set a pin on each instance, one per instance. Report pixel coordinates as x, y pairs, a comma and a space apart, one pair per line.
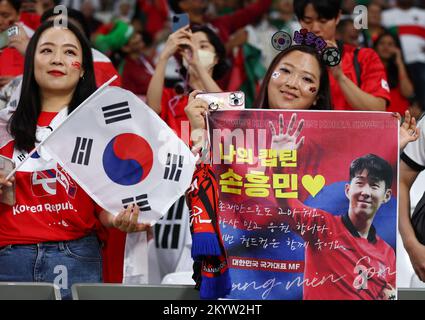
297, 79
49, 233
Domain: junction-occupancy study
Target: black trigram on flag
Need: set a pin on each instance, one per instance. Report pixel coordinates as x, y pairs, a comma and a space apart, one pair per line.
116, 112
21, 157
82, 151
173, 167
141, 201
168, 229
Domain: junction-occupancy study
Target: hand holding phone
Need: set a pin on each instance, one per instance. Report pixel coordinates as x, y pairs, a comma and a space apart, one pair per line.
8, 194
5, 35
179, 21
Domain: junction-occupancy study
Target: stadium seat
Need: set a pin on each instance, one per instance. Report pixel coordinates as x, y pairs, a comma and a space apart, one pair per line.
29, 291
105, 291
411, 294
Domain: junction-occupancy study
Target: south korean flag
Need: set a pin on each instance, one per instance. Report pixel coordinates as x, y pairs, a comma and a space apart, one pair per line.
120, 152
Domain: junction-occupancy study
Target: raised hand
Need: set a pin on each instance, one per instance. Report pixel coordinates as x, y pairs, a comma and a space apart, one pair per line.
177, 41
408, 130
287, 140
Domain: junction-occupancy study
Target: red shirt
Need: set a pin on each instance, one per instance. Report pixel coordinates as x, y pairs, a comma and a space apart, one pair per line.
50, 206
172, 112
11, 62
336, 256
398, 103
156, 15
136, 75
32, 20
373, 76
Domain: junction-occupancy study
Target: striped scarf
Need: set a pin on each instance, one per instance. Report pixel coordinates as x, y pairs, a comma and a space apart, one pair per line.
211, 272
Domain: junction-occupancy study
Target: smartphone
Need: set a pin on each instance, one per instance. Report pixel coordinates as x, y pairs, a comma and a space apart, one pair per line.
9, 193
4, 39
12, 31
179, 21
224, 100
5, 35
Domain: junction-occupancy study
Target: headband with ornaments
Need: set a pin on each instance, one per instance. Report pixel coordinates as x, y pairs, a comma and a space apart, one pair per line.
330, 56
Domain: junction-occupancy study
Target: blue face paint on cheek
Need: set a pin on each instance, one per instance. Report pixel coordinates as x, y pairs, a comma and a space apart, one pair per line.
275, 75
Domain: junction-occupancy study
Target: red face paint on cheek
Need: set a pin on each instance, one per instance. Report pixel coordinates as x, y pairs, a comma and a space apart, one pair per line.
313, 89
76, 65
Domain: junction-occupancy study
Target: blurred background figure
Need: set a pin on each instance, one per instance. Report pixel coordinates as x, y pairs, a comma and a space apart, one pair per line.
408, 22
402, 92
11, 61
347, 33
348, 6
137, 67
281, 17
88, 9
77, 4
124, 10
375, 28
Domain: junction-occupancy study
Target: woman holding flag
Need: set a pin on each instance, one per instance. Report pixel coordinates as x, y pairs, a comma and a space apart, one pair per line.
50, 233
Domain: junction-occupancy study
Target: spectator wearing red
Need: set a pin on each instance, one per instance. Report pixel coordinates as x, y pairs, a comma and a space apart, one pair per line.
203, 59
154, 14
389, 50
11, 61
88, 9
226, 24
32, 245
371, 91
137, 68
409, 23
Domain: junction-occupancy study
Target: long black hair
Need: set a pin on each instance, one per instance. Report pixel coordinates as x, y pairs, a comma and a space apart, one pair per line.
324, 94
391, 66
221, 67
23, 123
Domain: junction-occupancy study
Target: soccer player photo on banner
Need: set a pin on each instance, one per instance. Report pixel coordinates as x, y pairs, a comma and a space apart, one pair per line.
120, 152
307, 202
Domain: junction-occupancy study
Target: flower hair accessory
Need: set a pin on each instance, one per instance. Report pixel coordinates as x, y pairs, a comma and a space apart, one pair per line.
330, 56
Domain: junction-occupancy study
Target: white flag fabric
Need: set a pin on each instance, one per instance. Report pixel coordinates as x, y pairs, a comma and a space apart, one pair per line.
120, 152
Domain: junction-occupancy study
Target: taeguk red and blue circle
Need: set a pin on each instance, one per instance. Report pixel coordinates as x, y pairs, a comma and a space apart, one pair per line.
127, 159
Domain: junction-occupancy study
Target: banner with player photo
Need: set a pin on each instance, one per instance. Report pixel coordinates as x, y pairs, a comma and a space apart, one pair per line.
308, 202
